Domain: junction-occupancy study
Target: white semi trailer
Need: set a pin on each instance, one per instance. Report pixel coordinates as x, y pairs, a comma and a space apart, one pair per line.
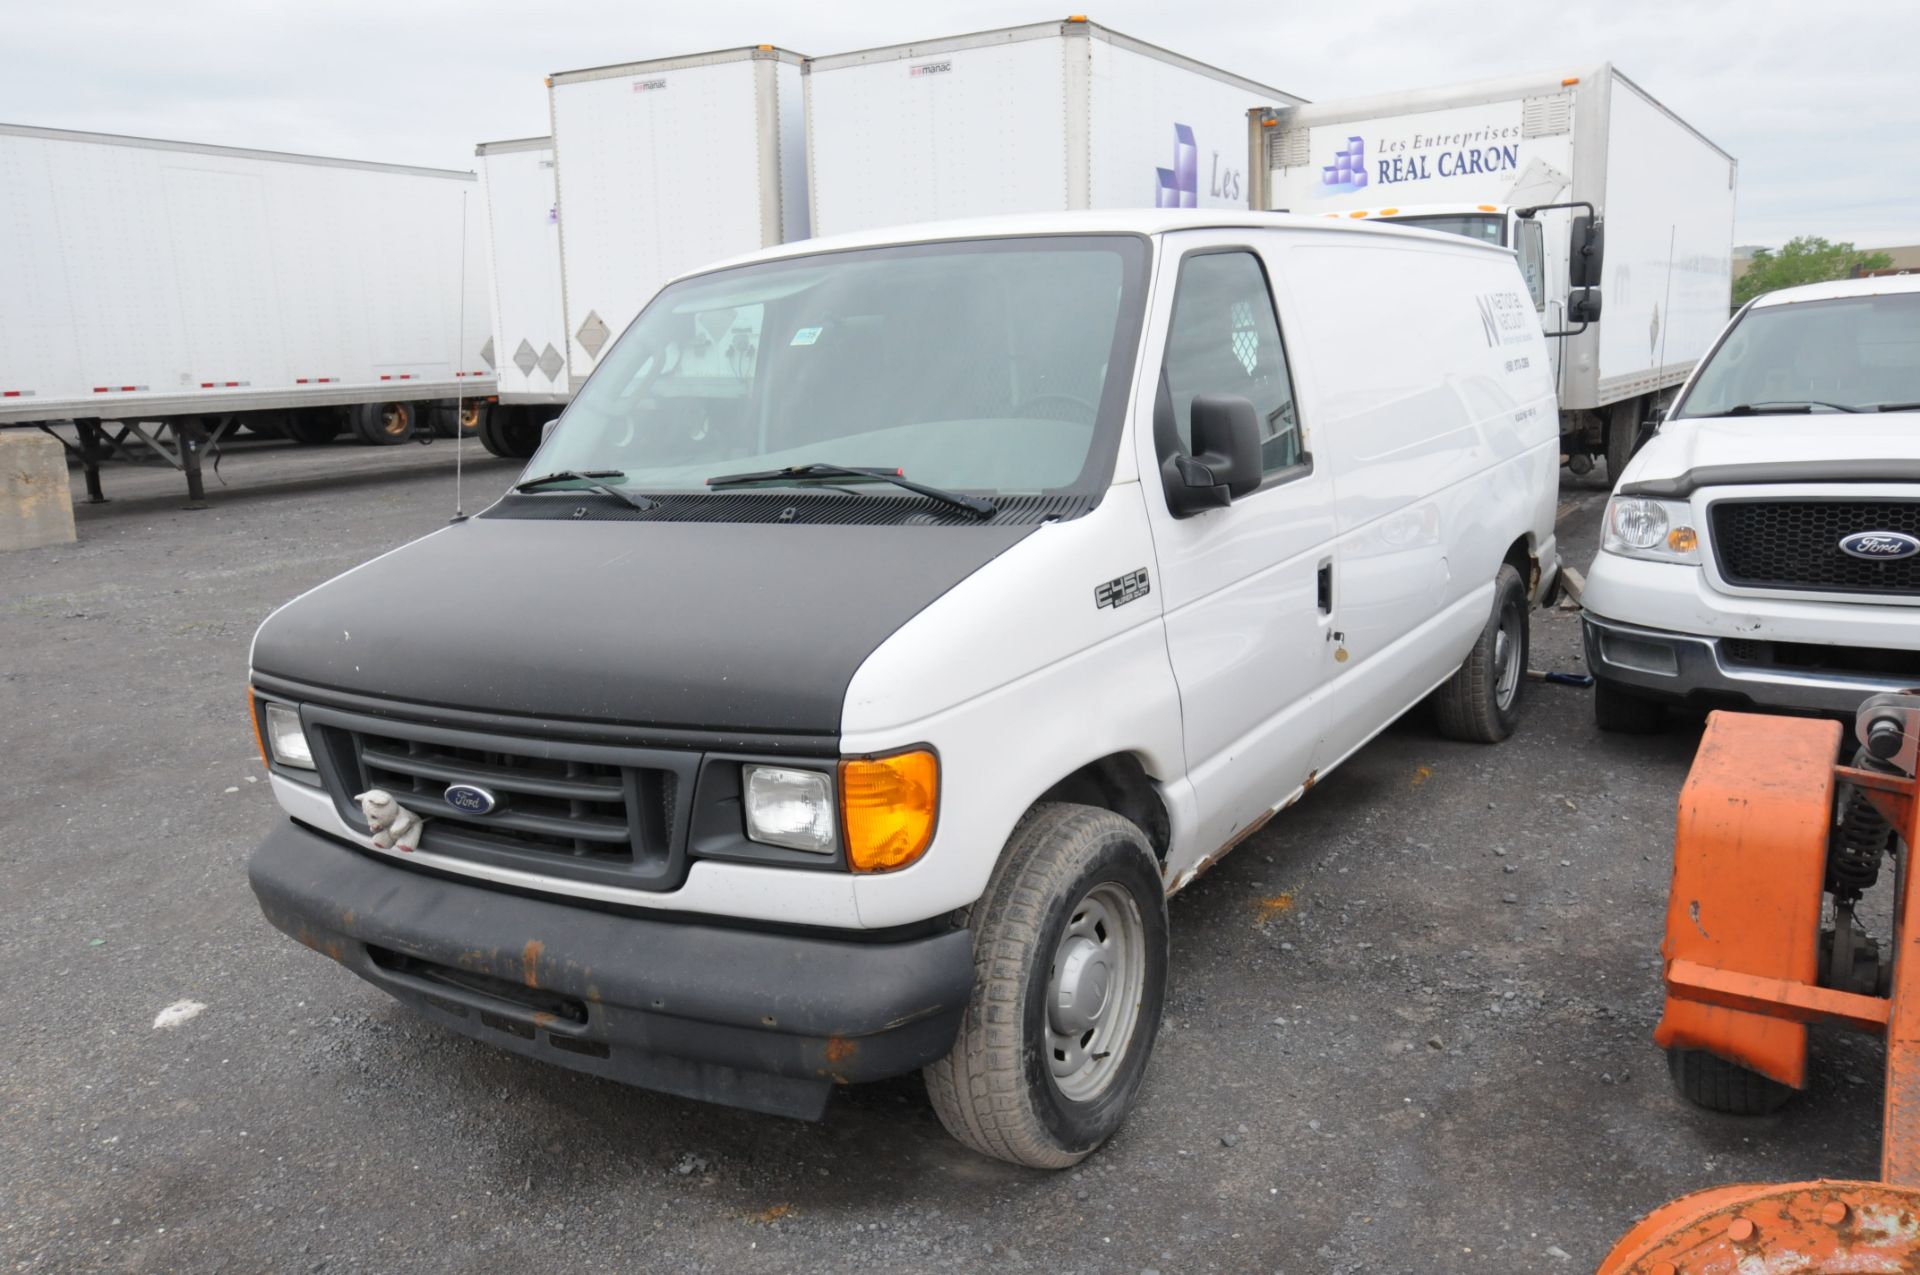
1629, 260
205, 288
1047, 117
529, 315
664, 166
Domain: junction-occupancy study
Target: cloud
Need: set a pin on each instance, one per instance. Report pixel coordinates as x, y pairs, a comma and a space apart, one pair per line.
1818, 116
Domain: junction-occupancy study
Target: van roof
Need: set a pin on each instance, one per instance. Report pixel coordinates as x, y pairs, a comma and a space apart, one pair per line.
1875, 285
1140, 221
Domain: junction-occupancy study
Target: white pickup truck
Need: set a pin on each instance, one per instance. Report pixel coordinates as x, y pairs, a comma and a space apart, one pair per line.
1763, 548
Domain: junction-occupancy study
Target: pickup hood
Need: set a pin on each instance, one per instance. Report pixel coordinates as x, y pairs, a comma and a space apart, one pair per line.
750, 627
1824, 447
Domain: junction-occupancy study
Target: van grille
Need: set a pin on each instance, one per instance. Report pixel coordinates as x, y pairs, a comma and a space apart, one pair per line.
615, 816
1795, 544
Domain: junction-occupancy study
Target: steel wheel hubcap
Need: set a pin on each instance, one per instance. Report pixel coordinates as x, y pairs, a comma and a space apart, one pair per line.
1507, 670
1093, 991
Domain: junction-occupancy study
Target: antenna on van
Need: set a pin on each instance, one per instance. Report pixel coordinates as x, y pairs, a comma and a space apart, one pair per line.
459, 398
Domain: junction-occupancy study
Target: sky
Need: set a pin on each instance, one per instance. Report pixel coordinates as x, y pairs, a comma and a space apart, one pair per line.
1817, 101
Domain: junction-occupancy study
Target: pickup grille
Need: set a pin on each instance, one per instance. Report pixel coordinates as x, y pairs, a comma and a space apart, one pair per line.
614, 816
1795, 544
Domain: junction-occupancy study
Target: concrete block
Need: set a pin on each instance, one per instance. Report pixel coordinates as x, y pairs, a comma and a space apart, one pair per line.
36, 507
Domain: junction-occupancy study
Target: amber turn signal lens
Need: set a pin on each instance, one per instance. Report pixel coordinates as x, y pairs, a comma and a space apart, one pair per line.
888, 806
253, 715
1682, 540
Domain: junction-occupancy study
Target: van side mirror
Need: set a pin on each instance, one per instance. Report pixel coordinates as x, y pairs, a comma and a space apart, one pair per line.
1583, 306
1586, 251
1226, 456
546, 431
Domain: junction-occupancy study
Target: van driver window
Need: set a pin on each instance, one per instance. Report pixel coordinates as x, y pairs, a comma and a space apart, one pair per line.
1224, 339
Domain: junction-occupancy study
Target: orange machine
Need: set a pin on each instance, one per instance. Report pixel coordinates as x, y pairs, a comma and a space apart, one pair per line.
1769, 826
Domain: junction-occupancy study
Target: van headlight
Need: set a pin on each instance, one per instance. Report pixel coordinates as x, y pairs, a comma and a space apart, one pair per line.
286, 741
1656, 530
790, 807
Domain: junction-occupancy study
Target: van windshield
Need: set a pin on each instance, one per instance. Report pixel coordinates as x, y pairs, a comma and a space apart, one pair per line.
1849, 354
991, 367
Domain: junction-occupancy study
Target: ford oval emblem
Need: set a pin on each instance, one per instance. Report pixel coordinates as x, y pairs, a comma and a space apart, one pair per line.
1879, 546
470, 799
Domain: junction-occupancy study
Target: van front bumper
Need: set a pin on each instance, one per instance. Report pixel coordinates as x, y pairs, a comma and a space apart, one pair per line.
1689, 668
746, 1017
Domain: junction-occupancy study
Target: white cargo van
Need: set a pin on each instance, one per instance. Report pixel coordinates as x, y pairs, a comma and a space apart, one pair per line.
891, 625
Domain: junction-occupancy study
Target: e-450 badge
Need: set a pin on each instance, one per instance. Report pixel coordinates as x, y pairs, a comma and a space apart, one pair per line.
1117, 593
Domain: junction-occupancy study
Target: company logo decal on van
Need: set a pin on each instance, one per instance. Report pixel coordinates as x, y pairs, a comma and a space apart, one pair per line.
1348, 171
1179, 186
1879, 546
648, 86
1117, 593
1504, 318
929, 68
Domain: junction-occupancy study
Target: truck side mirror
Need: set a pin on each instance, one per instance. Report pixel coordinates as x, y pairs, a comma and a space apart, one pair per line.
1226, 456
1583, 305
546, 431
1586, 250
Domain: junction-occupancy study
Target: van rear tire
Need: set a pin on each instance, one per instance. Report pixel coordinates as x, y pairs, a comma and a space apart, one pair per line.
1070, 973
1480, 703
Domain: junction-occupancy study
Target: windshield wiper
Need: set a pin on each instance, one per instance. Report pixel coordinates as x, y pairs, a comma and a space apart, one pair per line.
1896, 407
592, 478
1784, 406
898, 477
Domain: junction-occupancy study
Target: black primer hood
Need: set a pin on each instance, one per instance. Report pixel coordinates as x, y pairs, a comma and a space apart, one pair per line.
722, 626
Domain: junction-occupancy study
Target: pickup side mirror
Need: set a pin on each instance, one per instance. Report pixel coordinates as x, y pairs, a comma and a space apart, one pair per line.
546, 431
1586, 251
1583, 305
1226, 456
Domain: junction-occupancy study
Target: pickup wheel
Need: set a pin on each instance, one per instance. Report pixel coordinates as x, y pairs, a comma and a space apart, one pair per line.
1070, 971
1710, 1081
1621, 712
1480, 703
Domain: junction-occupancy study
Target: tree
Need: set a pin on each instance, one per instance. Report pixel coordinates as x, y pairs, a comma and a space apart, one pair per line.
1806, 259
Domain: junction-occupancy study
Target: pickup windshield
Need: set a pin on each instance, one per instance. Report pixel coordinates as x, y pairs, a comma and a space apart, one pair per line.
987, 367
1849, 354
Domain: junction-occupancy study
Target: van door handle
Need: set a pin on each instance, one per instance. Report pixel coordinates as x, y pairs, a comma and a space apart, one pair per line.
1326, 588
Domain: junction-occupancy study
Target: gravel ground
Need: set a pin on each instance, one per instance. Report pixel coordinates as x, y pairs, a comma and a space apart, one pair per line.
1408, 1028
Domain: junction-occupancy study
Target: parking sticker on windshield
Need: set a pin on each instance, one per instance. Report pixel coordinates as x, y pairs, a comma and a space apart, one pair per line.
805, 336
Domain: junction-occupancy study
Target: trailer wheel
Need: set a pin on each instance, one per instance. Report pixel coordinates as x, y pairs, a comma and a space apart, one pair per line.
1621, 712
312, 426
1623, 433
462, 421
1480, 703
384, 424
510, 432
1710, 1081
1070, 961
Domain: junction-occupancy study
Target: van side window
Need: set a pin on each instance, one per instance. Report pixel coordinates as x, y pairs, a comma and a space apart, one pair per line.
1224, 339
1531, 247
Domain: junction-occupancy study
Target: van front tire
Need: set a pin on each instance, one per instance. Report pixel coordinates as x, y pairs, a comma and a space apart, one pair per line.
1070, 972
1480, 703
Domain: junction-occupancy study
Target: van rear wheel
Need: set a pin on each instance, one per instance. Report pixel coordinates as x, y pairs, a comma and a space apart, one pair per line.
1480, 703
1070, 972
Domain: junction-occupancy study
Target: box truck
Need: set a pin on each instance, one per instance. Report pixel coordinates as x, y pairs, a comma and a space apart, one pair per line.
1636, 216
1041, 118
667, 165
529, 317
209, 287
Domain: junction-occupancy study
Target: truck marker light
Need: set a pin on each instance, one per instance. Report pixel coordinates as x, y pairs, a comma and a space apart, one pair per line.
1488, 207
887, 805
1357, 214
1569, 82
1388, 212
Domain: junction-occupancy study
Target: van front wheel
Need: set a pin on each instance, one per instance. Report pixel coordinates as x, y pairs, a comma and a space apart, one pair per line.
1480, 703
1070, 971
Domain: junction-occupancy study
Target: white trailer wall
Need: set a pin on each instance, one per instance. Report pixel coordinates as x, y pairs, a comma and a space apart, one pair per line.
148, 278
523, 249
1040, 118
665, 166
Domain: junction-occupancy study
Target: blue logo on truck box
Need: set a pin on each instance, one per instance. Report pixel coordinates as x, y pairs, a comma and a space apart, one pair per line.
1348, 171
1179, 186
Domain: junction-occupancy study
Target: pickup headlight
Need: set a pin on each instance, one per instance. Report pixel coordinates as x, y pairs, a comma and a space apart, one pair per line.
789, 807
286, 741
1656, 530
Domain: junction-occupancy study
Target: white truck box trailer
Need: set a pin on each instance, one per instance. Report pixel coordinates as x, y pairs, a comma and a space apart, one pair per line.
1470, 158
529, 317
209, 286
664, 166
1041, 118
